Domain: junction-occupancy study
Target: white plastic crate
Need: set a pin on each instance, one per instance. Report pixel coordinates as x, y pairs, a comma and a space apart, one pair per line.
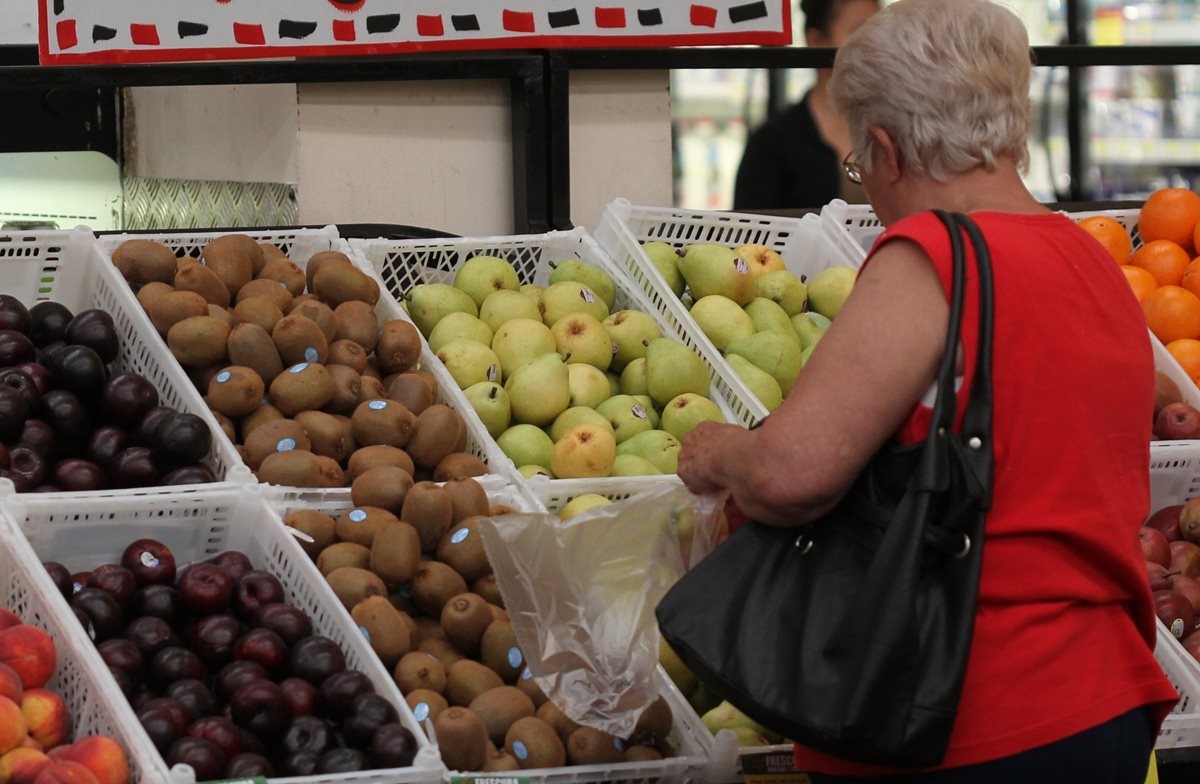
804, 244
852, 227
82, 534
406, 263
69, 268
1182, 726
553, 496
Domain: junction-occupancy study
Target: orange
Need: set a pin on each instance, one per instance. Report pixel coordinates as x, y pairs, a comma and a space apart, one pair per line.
1191, 277
1163, 259
1111, 235
1141, 282
1172, 313
1171, 214
1187, 353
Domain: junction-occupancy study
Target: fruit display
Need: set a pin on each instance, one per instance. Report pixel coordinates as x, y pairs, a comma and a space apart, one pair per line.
225, 675
300, 365
36, 744
1170, 541
69, 424
409, 566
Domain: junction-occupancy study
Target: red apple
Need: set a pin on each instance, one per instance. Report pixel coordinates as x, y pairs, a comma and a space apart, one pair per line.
1191, 644
1185, 558
1189, 521
1178, 422
1188, 588
1155, 546
1166, 522
1174, 611
1160, 578
8, 618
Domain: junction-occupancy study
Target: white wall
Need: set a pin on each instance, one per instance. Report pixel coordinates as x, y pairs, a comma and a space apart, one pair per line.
18, 22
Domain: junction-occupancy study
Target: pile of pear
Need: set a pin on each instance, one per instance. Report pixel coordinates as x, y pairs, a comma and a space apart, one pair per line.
569, 388
302, 375
763, 318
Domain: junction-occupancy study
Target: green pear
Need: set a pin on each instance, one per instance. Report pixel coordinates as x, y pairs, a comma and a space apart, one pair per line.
702, 699
526, 445
539, 390
531, 471
582, 339
633, 378
479, 276
727, 717
429, 303
722, 320
672, 369
584, 452
666, 260
769, 317
582, 503
506, 305
683, 678
631, 331
594, 278
578, 415
709, 268
808, 350
658, 447
470, 362
567, 298
632, 465
773, 353
519, 341
459, 326
683, 413
760, 259
762, 385
645, 402
784, 289
491, 402
589, 386
827, 292
533, 291
809, 327
614, 383
626, 416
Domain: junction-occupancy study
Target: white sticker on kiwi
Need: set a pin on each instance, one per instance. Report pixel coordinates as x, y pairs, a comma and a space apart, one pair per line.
223, 376
366, 633
459, 536
620, 744
587, 296
298, 368
311, 354
377, 405
357, 516
421, 711
526, 675
637, 410
515, 658
519, 750
285, 445
148, 560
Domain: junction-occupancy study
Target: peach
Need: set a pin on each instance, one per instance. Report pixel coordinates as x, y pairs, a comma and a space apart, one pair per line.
59, 753
47, 717
12, 725
22, 766
103, 756
30, 743
66, 773
29, 651
10, 684
8, 618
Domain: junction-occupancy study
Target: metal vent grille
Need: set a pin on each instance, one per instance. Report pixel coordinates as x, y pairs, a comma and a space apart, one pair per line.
198, 204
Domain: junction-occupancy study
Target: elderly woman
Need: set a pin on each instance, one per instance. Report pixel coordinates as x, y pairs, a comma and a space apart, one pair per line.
1062, 684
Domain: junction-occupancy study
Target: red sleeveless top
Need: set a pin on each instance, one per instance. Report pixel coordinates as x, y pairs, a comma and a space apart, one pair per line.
1065, 625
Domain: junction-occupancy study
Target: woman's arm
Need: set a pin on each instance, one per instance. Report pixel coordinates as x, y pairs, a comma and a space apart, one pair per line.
872, 366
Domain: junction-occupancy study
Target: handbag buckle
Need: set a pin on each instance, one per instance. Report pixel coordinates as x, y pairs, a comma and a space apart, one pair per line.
804, 543
966, 547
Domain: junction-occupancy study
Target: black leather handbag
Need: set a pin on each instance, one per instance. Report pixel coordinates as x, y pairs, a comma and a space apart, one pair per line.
851, 635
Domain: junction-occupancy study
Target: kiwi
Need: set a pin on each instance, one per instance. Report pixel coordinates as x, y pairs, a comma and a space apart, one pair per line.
198, 341
500, 708
339, 283
431, 629
590, 746
468, 499
300, 340
318, 526
435, 434
654, 725
466, 680
412, 390
461, 548
362, 523
384, 629
399, 346
435, 584
335, 556
318, 313
330, 471
351, 585
258, 417
534, 744
383, 422
441, 650
489, 589
395, 552
301, 387
499, 613
372, 368
317, 260
170, 308
222, 315
401, 598
370, 389
357, 321
428, 508
499, 650
348, 432
385, 487
152, 291
459, 465
227, 425
642, 754
296, 468
465, 617
203, 281
462, 739
326, 434
499, 761
144, 261
365, 458
235, 391
348, 353
347, 386
258, 311
251, 346
232, 258
429, 379
264, 288
283, 270
281, 435
271, 252
563, 726
425, 703
527, 684
418, 670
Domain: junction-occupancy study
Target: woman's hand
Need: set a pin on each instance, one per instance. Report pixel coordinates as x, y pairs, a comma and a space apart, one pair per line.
705, 455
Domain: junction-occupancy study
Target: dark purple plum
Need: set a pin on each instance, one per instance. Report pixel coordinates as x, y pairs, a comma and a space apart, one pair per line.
265, 647
106, 442
26, 468
126, 398
15, 347
299, 763
175, 664
102, 610
151, 562
115, 580
151, 634
308, 733
205, 589
14, 410
289, 622
219, 731
121, 654
259, 707
338, 691
135, 467
61, 577
181, 439
367, 713
94, 328
233, 676
213, 638
235, 563
158, 601
66, 415
144, 434
194, 696
164, 721
38, 374
342, 761
316, 658
13, 314
79, 370
255, 590
48, 322
38, 436
301, 696
394, 746
205, 758
22, 382
75, 475
249, 766
188, 475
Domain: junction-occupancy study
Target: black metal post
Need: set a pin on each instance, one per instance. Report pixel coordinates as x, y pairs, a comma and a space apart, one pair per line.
558, 102
1077, 88
530, 159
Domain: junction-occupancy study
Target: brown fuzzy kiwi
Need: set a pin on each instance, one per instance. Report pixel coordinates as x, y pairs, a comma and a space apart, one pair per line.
258, 311
271, 252
499, 762
255, 250
425, 704
429, 379
283, 270
466, 680
465, 617
527, 684
198, 341
348, 353
469, 499
428, 508
462, 739
384, 486
435, 584
318, 313
383, 422
498, 650
500, 708
167, 310
152, 291
227, 425
396, 553
338, 283
417, 670
317, 260
367, 457
260, 416
654, 725
203, 281
562, 724
296, 468
590, 746
352, 585
357, 321
331, 473
435, 434
325, 434
233, 259
221, 314
348, 430
301, 387
440, 650
300, 340
499, 613
335, 556
281, 435
385, 631
399, 346
459, 465
461, 548
411, 390
316, 525
372, 368
251, 346
489, 589
401, 598
535, 744
235, 391
267, 289
347, 386
361, 523
144, 261
431, 629
642, 754
370, 389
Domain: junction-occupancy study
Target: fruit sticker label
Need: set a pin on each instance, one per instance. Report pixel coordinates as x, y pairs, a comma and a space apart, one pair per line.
73, 32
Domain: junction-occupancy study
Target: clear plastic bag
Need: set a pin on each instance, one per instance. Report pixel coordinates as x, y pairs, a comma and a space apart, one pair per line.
581, 594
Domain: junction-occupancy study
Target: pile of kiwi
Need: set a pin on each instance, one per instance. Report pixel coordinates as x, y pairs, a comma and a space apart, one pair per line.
295, 364
408, 563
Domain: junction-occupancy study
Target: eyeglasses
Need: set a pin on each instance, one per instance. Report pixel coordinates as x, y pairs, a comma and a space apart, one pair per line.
852, 168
